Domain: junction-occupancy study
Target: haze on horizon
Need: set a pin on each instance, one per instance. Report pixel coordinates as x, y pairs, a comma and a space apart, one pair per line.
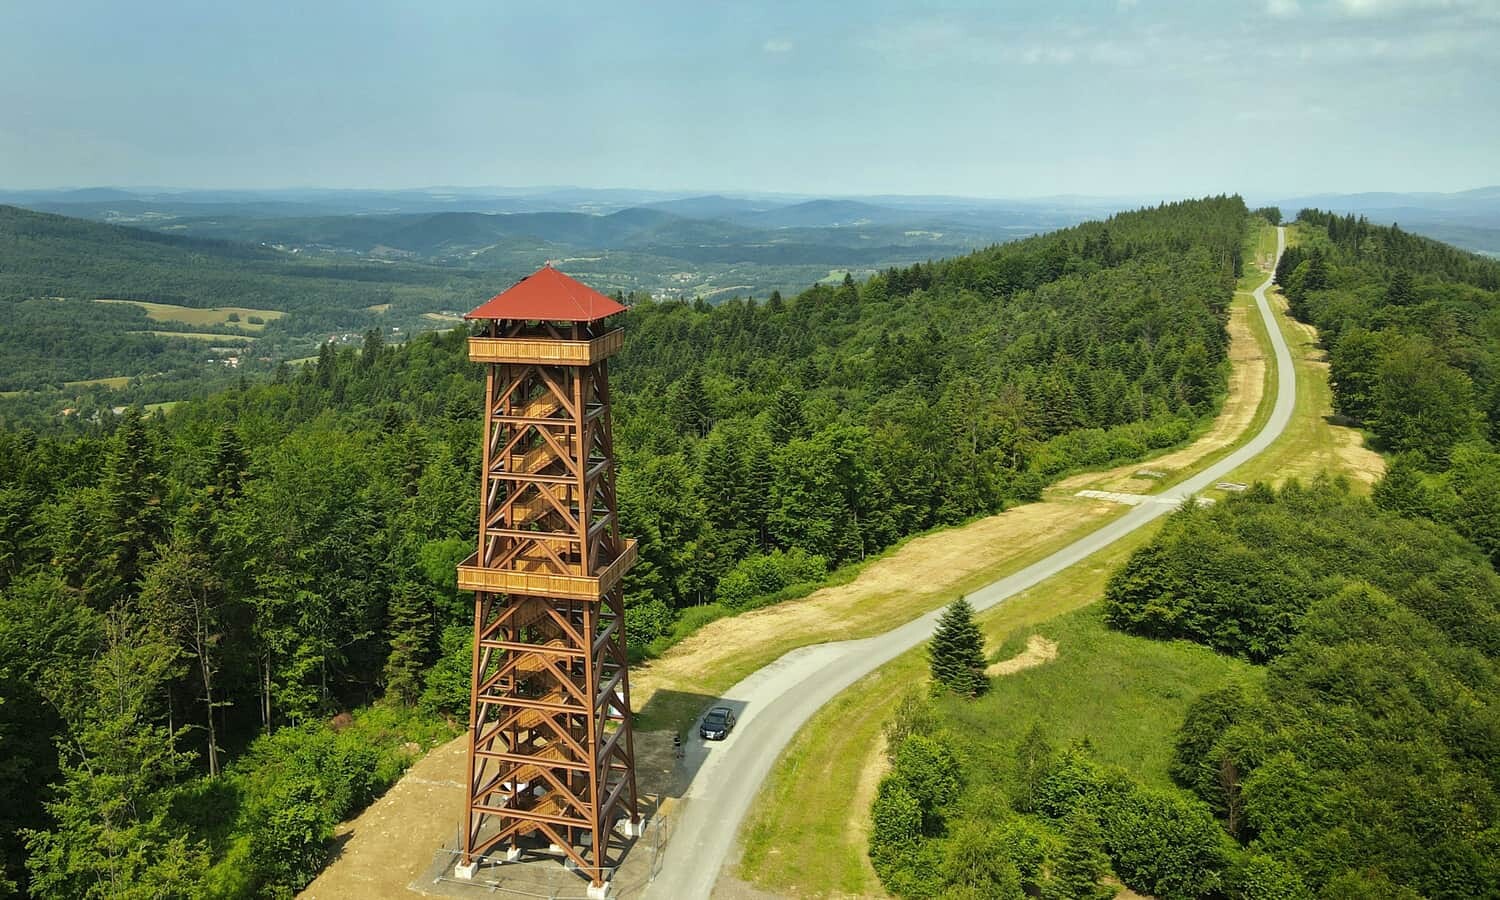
1132, 97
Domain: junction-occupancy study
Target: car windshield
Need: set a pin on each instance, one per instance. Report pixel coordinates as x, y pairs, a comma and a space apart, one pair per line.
716, 717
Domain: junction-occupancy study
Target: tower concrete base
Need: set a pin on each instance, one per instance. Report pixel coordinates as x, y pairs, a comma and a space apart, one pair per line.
468, 872
598, 891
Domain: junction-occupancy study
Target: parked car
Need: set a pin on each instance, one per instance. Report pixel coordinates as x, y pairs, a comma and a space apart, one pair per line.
717, 724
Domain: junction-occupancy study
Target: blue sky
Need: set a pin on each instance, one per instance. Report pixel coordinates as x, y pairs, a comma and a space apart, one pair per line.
1125, 97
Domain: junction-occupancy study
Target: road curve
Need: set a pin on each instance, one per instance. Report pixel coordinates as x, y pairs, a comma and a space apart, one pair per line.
778, 699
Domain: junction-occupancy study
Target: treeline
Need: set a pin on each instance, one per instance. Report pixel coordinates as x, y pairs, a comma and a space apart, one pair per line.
188, 602
1411, 329
1364, 766
862, 413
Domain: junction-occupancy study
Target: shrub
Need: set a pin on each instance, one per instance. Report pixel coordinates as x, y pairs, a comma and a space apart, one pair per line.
765, 574
289, 833
896, 814
1261, 877
645, 622
929, 768
976, 859
447, 688
1164, 845
1072, 778
914, 715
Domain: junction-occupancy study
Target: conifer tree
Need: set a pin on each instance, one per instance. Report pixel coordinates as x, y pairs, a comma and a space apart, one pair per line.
229, 463
370, 352
690, 408
1403, 490
1401, 291
759, 476
1316, 276
411, 639
724, 481
957, 651
788, 422
1076, 874
113, 835
133, 518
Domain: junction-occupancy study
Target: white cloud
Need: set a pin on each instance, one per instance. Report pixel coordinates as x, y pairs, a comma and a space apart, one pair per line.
1283, 9
1127, 4
777, 45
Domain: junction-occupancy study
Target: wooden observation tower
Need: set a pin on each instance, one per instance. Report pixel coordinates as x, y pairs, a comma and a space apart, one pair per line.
551, 756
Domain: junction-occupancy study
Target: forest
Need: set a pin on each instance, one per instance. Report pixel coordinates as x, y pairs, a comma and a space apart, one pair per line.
226, 628
1356, 757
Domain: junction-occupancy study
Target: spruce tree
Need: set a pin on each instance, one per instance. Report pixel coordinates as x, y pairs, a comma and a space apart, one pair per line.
410, 642
1404, 490
1316, 276
1076, 874
132, 516
1401, 291
957, 651
787, 419
689, 405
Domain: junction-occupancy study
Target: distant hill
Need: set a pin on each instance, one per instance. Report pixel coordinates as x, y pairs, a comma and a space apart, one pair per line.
713, 206
1468, 219
826, 214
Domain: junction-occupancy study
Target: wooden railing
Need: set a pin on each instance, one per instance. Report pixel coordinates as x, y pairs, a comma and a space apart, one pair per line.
546, 352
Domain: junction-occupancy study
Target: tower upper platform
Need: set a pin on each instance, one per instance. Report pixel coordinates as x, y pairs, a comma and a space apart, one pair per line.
548, 295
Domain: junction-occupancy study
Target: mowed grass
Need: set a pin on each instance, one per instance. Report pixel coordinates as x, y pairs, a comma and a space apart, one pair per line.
114, 383
212, 315
200, 336
667, 697
808, 830
1126, 695
1314, 441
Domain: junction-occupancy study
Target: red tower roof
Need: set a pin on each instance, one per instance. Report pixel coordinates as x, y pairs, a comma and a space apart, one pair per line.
548, 295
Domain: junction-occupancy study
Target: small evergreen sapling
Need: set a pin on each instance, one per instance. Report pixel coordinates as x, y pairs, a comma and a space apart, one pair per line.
957, 651
1076, 873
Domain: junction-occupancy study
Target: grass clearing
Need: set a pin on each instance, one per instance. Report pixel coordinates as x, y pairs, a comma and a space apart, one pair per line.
200, 336
1126, 694
114, 383
919, 575
1314, 441
808, 830
211, 315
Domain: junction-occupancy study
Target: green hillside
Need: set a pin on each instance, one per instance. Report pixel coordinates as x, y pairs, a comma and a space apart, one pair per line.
311, 521
52, 267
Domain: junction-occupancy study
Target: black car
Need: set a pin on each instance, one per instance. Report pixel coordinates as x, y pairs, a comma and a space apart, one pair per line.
717, 724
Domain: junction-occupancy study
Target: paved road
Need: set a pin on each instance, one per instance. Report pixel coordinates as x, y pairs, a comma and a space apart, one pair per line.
776, 700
